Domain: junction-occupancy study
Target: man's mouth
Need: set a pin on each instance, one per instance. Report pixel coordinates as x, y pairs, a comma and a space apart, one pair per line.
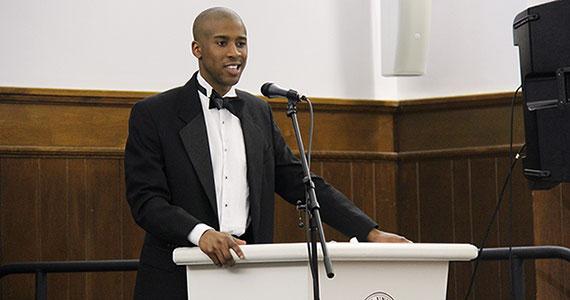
233, 69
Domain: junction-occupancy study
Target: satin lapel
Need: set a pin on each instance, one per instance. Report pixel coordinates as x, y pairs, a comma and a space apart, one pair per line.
253, 140
195, 139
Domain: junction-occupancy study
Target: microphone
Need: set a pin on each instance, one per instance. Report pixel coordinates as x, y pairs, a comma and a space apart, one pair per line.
272, 90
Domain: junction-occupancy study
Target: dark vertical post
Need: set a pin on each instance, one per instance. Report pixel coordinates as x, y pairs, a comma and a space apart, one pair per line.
518, 278
41, 285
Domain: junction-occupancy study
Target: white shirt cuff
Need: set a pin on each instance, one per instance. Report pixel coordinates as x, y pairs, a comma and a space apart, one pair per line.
196, 233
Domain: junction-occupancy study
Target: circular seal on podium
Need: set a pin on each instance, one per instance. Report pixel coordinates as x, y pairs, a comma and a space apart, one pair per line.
379, 296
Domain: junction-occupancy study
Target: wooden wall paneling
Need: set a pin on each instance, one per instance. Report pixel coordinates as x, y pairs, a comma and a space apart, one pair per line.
435, 201
448, 127
1, 222
62, 125
484, 197
339, 175
407, 194
363, 187
286, 228
372, 187
565, 210
104, 221
522, 205
462, 201
385, 195
367, 131
461, 223
408, 201
20, 222
548, 231
53, 221
132, 235
76, 223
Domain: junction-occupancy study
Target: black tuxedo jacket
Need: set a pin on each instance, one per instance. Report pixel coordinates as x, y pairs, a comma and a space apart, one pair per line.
170, 184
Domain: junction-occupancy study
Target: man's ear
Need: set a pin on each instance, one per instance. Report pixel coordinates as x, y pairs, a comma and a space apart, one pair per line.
196, 49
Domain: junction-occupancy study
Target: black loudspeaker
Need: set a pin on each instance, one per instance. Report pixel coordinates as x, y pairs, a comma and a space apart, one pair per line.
542, 34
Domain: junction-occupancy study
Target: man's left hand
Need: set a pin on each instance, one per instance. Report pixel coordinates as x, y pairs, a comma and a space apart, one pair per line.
377, 236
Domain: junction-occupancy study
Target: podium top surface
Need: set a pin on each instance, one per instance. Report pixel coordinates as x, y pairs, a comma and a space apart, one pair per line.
297, 252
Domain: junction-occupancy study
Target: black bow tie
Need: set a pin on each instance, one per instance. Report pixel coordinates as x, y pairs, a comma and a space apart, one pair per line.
219, 102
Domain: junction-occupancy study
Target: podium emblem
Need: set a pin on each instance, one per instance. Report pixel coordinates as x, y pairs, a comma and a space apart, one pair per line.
379, 296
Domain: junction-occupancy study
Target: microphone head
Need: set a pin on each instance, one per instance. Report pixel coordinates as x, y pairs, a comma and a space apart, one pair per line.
265, 89
272, 90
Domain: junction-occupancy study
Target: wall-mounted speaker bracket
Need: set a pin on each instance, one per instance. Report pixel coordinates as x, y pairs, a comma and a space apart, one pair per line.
524, 20
538, 174
563, 78
544, 104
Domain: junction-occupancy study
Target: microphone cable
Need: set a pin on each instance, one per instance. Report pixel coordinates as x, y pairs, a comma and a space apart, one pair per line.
508, 182
307, 212
511, 203
311, 128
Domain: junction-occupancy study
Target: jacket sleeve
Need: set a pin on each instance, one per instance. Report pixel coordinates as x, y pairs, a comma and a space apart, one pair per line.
146, 184
335, 208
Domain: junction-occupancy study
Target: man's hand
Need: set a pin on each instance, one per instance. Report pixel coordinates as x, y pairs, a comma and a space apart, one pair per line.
377, 236
217, 246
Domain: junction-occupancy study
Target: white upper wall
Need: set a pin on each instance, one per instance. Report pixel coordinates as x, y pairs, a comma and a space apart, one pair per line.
323, 48
471, 50
537, 2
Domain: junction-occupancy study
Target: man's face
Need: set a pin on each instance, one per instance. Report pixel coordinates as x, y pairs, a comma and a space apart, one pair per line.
222, 53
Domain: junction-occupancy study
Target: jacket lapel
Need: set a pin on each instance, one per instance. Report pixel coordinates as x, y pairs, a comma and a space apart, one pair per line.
195, 139
253, 140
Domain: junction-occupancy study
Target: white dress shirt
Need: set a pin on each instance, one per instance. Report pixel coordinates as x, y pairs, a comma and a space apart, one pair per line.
227, 150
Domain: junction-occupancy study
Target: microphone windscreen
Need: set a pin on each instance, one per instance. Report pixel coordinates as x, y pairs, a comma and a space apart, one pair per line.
265, 89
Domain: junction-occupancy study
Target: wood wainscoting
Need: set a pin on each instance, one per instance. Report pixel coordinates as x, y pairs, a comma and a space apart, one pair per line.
429, 169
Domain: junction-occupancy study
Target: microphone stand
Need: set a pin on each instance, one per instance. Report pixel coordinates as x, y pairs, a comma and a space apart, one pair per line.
312, 207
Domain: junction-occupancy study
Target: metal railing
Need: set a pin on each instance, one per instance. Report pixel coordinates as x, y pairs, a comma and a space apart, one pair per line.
41, 269
518, 256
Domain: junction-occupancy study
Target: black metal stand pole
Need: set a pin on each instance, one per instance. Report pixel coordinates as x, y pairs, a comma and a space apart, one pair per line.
41, 285
313, 208
313, 257
518, 279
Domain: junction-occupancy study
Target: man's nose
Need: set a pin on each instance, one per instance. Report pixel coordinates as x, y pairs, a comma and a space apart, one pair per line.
233, 50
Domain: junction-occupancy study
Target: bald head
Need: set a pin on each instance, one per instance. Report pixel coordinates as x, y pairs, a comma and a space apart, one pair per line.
201, 28
220, 45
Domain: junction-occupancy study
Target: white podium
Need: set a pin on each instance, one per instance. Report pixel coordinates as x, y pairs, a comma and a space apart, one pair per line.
363, 271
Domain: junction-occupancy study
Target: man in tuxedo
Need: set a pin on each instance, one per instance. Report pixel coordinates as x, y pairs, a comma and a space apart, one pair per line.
203, 162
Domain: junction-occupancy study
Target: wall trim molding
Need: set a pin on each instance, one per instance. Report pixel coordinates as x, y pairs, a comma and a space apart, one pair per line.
458, 102
61, 151
47, 96
118, 152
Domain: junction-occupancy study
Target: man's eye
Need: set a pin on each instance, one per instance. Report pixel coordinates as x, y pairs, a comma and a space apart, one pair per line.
241, 44
221, 43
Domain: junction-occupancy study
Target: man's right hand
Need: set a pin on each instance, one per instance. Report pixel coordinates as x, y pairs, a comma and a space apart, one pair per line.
217, 246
